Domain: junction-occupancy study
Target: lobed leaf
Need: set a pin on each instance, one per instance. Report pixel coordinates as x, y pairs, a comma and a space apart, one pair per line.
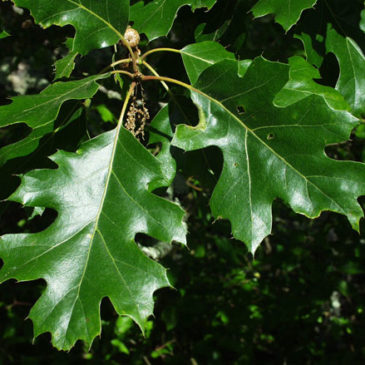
271, 152
351, 82
160, 132
301, 84
197, 57
103, 197
311, 54
40, 111
155, 19
65, 65
98, 23
287, 12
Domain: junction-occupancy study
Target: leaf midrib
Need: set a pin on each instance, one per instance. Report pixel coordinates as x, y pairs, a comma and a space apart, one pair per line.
267, 146
98, 17
49, 101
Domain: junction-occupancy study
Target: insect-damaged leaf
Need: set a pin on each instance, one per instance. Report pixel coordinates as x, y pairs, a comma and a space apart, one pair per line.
103, 197
271, 152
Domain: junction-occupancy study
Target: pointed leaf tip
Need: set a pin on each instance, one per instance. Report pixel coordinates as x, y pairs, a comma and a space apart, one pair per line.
271, 152
89, 253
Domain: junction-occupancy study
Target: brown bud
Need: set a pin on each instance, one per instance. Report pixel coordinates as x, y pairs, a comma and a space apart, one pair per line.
132, 37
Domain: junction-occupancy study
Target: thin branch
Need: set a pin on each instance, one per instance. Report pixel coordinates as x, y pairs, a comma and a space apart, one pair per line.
125, 104
172, 96
124, 60
154, 72
132, 76
177, 82
159, 50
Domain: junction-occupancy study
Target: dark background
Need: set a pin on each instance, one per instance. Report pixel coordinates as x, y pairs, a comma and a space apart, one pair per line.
301, 300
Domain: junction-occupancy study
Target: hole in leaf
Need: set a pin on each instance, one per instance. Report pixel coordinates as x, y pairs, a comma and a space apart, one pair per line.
270, 136
240, 110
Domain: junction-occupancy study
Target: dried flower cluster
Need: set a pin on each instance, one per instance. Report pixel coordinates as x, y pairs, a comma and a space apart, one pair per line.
137, 117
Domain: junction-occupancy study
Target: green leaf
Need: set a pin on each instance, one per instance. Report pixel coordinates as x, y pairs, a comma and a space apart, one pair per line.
106, 115
4, 34
351, 82
66, 65
287, 12
271, 152
301, 85
98, 23
160, 132
198, 57
155, 19
103, 197
310, 53
40, 111
201, 36
362, 21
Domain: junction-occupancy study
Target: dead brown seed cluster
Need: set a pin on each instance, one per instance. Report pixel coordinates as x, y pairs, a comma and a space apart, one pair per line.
137, 117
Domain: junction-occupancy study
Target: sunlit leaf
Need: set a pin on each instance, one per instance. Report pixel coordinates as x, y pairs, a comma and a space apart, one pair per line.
98, 23
351, 82
103, 197
271, 152
155, 18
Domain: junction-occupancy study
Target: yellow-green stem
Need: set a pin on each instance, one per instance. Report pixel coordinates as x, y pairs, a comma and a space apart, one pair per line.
125, 104
124, 60
132, 76
163, 83
159, 50
177, 82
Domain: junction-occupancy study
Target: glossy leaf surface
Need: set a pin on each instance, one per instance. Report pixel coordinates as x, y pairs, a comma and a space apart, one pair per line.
351, 82
271, 152
301, 84
198, 57
155, 18
98, 24
40, 111
311, 54
287, 12
103, 198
